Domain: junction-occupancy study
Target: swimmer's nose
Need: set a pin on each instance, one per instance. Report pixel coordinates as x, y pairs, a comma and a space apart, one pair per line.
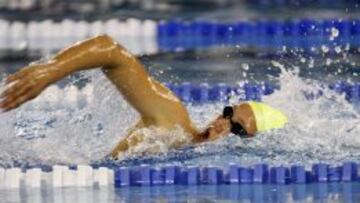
222, 125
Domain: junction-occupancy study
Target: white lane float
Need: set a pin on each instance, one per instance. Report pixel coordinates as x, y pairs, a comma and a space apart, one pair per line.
58, 175
69, 178
67, 29
104, 177
84, 175
149, 30
4, 34
33, 178
2, 178
17, 34
96, 28
13, 178
32, 35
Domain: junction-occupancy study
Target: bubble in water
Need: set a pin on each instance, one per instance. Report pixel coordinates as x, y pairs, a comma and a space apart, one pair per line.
337, 49
347, 47
245, 66
334, 33
311, 63
324, 49
328, 62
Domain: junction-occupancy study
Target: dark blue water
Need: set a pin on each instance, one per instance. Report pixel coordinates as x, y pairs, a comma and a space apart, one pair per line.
333, 192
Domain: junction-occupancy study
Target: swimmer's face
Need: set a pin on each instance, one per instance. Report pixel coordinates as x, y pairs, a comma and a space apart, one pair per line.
242, 115
217, 129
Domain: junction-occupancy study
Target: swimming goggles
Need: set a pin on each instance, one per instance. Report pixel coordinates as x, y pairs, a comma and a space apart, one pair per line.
236, 128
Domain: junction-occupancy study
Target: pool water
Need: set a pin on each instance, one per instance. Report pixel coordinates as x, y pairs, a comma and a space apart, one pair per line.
333, 192
83, 125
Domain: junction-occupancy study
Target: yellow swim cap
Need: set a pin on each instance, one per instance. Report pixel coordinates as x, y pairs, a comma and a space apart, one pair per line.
267, 117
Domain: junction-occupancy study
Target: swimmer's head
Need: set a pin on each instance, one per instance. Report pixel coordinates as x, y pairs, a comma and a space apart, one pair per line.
245, 120
237, 119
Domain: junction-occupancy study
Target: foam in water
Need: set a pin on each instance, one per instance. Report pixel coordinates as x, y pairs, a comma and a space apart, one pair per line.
157, 140
69, 131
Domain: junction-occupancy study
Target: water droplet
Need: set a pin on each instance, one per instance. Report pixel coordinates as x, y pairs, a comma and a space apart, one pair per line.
334, 33
245, 66
347, 47
311, 63
328, 62
338, 49
324, 49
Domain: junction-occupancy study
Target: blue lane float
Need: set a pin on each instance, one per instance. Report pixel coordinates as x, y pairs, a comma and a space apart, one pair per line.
204, 93
235, 174
307, 34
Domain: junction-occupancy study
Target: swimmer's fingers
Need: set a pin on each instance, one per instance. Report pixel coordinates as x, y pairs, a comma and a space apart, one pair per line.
22, 91
13, 89
25, 94
17, 76
13, 104
11, 95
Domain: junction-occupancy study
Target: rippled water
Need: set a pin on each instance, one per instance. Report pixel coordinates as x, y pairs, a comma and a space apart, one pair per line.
72, 127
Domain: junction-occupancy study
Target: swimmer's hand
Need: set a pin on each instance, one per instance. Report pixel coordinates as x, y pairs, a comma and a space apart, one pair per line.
26, 84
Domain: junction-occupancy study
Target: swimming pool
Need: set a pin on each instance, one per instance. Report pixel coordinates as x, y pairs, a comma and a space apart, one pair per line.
77, 123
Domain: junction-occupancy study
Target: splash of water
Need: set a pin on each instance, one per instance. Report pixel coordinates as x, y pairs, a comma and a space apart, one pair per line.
83, 128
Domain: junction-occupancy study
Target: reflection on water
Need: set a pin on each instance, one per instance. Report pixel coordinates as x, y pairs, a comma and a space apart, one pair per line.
332, 192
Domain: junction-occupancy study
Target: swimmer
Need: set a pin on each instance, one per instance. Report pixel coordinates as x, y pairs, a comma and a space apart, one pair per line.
156, 104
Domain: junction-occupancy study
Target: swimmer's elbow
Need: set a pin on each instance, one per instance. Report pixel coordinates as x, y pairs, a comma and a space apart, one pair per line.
104, 39
118, 55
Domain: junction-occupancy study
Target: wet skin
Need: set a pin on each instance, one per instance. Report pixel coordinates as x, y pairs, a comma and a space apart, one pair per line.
156, 104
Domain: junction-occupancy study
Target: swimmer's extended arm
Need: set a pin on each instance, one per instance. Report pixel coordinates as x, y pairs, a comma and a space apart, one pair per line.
33, 79
156, 104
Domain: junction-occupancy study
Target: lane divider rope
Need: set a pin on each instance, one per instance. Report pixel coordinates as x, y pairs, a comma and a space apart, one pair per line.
197, 94
145, 175
151, 37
